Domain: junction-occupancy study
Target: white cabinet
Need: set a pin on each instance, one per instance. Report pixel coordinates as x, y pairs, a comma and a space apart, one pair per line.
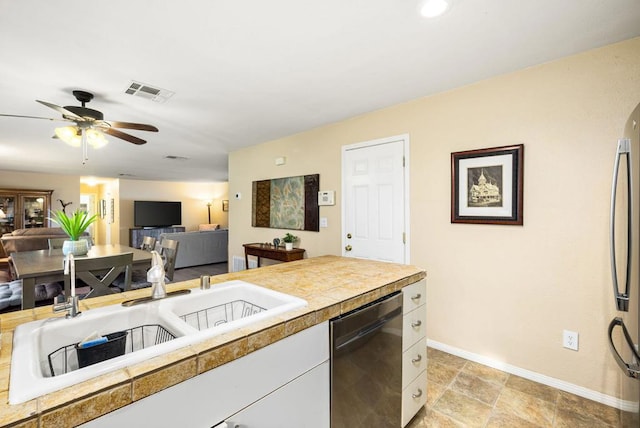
287, 367
296, 404
414, 349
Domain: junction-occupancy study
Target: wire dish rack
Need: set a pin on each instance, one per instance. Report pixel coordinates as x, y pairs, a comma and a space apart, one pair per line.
221, 314
66, 359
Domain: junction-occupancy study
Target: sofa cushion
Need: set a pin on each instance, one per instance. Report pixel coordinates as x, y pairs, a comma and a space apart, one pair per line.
205, 227
200, 248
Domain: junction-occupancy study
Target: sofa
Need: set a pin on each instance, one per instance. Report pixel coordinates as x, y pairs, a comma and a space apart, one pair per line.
200, 247
29, 239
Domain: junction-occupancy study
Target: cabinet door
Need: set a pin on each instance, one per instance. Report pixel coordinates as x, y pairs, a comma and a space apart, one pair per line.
34, 211
302, 403
7, 213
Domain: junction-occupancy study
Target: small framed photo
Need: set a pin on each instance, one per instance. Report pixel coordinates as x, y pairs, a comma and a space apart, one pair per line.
225, 205
487, 185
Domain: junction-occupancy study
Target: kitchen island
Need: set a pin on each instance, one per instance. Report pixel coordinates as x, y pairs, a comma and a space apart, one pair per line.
331, 285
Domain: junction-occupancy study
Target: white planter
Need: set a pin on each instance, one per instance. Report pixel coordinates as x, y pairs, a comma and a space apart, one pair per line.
77, 248
288, 246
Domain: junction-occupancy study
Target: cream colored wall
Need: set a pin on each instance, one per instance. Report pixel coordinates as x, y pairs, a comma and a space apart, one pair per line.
192, 196
504, 292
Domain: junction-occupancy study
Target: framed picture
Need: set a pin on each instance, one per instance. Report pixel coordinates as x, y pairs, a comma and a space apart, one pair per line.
225, 205
486, 185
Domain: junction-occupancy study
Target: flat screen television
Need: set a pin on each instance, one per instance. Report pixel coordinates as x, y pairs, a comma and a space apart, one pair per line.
156, 213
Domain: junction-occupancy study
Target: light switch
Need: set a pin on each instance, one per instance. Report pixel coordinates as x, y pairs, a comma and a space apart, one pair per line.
323, 222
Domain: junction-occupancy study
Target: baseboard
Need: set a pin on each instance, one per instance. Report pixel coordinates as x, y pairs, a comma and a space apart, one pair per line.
536, 377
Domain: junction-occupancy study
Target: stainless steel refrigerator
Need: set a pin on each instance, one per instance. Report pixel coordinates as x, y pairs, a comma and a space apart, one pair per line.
624, 329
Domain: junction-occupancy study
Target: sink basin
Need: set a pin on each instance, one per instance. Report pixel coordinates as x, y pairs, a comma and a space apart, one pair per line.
230, 305
45, 358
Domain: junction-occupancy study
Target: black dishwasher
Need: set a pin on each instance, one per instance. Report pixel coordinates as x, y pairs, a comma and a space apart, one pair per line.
366, 365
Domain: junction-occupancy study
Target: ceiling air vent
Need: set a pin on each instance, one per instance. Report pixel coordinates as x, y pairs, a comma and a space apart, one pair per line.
149, 92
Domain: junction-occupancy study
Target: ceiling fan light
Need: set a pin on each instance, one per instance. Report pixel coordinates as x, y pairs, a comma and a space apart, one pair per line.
69, 134
434, 8
96, 139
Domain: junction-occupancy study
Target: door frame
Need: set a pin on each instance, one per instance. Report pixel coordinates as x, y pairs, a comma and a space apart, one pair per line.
407, 213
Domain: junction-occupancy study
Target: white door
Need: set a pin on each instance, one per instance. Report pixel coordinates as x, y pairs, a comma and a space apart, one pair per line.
375, 200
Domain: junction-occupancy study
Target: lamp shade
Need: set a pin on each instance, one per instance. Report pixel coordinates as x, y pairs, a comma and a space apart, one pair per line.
69, 134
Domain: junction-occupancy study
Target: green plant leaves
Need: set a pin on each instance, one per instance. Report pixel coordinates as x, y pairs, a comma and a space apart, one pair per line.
73, 225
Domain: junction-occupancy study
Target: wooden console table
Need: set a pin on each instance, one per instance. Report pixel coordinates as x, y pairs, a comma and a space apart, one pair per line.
268, 251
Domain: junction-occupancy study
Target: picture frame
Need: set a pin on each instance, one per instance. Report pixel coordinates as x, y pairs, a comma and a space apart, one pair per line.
225, 205
487, 186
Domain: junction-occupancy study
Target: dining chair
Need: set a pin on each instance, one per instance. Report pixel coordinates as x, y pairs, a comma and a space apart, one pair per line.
56, 243
148, 243
100, 273
169, 251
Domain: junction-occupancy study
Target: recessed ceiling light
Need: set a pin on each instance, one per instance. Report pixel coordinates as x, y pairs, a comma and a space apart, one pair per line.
434, 8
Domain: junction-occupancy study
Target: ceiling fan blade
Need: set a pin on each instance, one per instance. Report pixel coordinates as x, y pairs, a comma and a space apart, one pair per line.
129, 125
123, 136
36, 117
62, 110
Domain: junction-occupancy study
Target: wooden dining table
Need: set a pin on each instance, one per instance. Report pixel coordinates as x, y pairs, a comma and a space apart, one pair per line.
40, 266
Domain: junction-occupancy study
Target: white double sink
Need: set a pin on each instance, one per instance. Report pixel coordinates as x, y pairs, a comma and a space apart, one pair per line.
44, 357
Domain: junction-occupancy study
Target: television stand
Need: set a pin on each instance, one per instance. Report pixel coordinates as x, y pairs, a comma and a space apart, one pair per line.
137, 234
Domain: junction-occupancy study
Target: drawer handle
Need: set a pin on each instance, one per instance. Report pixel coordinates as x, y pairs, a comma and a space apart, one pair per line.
417, 359
416, 324
417, 394
416, 297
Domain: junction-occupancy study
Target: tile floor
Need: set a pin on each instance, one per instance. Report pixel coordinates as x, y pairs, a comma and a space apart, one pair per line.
462, 393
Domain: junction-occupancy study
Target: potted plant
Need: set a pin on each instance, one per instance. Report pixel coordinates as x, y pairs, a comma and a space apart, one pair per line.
74, 226
288, 240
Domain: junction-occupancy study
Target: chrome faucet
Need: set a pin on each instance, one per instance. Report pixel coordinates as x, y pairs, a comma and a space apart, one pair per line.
71, 305
155, 275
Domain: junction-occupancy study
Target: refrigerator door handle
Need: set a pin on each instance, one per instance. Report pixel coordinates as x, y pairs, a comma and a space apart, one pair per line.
622, 299
632, 369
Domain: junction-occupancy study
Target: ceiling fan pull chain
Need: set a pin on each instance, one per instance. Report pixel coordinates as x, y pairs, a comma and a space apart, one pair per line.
85, 151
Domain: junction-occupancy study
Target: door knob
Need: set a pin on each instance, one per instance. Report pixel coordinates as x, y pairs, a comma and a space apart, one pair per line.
348, 248
348, 236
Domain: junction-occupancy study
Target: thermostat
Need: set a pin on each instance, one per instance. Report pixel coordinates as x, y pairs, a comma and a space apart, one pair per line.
327, 197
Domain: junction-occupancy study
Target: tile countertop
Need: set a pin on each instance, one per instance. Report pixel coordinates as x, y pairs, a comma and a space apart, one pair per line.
331, 285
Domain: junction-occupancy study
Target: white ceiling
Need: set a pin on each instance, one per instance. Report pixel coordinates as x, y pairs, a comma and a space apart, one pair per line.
248, 71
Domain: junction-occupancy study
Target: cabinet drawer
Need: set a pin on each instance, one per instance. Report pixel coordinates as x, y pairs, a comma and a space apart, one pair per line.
414, 326
414, 397
414, 295
414, 361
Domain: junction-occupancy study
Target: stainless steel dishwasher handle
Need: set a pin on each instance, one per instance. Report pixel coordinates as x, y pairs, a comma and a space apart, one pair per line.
622, 298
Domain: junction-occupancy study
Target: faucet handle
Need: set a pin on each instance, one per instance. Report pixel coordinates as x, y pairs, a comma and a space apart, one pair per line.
60, 298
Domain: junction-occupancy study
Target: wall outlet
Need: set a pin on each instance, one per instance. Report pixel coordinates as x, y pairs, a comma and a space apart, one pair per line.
570, 339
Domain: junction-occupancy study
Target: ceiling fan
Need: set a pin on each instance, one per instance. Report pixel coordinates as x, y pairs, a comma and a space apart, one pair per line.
90, 126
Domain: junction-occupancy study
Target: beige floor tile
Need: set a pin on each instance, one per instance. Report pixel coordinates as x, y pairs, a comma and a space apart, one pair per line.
504, 420
477, 388
434, 391
439, 373
444, 358
485, 373
566, 419
525, 406
543, 392
603, 413
435, 419
463, 409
